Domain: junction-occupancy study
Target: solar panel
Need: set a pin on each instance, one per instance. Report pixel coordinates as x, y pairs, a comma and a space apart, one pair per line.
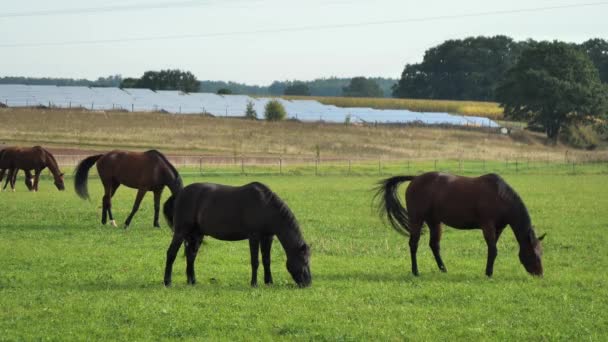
178, 102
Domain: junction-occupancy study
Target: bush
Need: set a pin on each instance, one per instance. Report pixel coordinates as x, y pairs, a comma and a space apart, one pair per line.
250, 112
274, 111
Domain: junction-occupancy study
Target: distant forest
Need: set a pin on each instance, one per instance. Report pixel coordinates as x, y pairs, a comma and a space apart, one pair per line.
320, 87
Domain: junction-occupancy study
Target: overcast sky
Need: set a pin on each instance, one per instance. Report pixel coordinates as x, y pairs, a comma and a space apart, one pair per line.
258, 41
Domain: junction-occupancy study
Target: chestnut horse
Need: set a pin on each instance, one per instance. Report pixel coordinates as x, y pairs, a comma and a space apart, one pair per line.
144, 171
234, 213
485, 202
34, 158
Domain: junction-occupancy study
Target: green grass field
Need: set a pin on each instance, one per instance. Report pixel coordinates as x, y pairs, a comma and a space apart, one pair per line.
63, 276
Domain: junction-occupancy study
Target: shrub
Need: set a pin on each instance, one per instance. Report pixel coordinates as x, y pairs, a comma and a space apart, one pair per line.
274, 111
250, 112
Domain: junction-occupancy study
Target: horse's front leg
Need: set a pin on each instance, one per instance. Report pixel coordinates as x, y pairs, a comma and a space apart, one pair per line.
171, 253
157, 195
266, 243
254, 249
36, 179
29, 180
489, 234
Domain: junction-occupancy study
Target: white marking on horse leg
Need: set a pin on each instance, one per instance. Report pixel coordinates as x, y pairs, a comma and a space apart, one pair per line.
113, 222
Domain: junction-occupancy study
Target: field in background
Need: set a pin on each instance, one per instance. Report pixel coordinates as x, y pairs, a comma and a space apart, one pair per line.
472, 108
63, 276
207, 136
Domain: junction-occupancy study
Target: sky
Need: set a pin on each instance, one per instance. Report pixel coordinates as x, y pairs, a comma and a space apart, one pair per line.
259, 41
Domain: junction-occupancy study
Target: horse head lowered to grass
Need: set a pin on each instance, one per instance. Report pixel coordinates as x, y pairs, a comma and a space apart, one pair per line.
485, 202
232, 213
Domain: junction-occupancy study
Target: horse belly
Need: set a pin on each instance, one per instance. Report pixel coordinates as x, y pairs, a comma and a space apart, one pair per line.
229, 236
460, 216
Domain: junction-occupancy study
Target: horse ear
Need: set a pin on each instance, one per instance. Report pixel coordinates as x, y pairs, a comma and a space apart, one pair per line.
542, 237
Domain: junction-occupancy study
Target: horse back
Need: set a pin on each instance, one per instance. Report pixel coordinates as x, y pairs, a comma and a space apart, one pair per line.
221, 211
139, 170
460, 202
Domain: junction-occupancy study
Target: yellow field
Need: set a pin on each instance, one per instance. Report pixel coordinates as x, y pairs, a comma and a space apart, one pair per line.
472, 108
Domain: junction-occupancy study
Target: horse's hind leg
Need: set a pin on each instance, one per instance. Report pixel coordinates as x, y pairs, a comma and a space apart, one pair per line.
192, 245
489, 234
266, 243
109, 190
435, 229
138, 198
415, 227
254, 249
171, 253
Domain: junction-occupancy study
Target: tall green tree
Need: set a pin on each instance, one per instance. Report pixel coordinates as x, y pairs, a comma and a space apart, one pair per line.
462, 69
362, 87
553, 84
597, 50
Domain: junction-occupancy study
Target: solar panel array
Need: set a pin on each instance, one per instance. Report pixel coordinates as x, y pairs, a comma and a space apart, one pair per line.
131, 99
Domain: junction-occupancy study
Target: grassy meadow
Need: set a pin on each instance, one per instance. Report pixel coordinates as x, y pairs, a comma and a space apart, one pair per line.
470, 108
63, 276
199, 135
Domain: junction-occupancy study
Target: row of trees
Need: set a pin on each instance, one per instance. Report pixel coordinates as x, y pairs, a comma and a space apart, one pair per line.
164, 80
472, 68
356, 87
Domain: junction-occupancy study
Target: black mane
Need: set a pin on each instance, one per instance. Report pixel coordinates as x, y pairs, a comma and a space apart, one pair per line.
270, 197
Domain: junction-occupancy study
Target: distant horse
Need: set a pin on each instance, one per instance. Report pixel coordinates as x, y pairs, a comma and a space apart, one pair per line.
485, 202
144, 171
34, 158
5, 165
230, 213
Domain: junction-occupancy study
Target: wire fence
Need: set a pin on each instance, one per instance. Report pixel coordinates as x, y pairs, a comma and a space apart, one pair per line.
253, 165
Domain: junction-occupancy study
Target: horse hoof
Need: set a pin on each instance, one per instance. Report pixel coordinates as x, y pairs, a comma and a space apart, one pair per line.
113, 223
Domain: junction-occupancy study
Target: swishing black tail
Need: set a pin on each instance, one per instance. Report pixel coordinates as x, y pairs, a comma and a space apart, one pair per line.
82, 173
168, 210
390, 206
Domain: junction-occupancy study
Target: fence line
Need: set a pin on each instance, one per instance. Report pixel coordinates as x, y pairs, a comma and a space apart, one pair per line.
281, 165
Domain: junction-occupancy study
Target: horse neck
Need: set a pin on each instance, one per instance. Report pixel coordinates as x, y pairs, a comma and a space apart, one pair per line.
52, 165
290, 236
521, 228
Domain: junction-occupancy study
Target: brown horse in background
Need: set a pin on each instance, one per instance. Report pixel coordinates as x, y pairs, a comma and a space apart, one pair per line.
34, 158
5, 166
144, 171
485, 202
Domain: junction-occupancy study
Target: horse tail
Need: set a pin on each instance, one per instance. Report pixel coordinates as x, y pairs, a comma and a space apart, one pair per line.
82, 173
168, 210
390, 206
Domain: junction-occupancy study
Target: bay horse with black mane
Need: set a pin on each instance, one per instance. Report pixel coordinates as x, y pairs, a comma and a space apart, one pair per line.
144, 171
34, 158
231, 213
485, 202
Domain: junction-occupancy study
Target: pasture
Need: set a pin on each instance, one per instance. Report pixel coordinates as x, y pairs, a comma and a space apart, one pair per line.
63, 276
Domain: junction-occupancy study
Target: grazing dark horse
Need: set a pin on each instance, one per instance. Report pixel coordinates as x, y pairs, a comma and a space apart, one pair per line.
144, 171
485, 202
34, 158
230, 213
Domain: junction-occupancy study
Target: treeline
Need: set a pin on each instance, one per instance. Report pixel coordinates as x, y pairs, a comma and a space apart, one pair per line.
331, 86
110, 81
472, 68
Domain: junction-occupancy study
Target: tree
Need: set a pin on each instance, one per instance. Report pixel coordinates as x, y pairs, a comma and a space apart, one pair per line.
250, 112
164, 80
468, 69
362, 87
274, 111
224, 91
297, 89
553, 84
597, 50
